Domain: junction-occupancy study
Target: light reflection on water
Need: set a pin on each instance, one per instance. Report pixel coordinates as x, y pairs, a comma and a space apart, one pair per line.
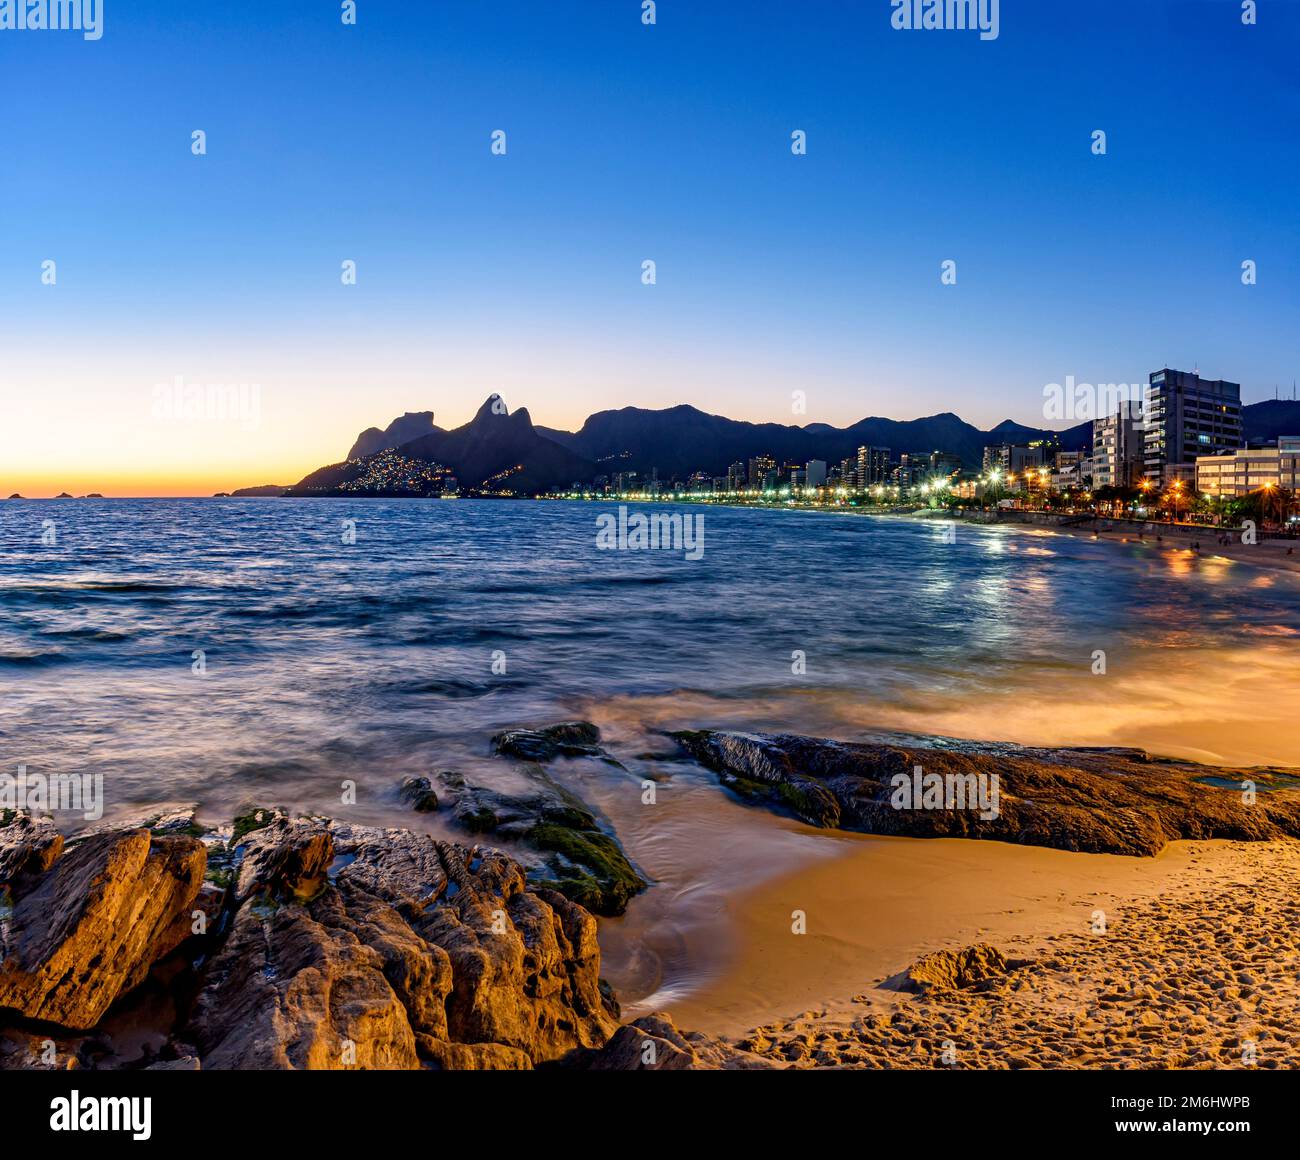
372, 662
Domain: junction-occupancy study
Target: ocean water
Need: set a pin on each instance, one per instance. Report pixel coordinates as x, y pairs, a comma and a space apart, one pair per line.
325, 662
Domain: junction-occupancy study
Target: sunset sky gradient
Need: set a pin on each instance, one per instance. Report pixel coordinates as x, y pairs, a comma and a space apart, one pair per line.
521, 274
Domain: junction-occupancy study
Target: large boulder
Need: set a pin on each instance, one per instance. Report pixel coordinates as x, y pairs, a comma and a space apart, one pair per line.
1114, 801
95, 923
288, 991
567, 739
410, 952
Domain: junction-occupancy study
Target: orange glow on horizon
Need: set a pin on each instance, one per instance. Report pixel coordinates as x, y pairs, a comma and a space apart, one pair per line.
145, 484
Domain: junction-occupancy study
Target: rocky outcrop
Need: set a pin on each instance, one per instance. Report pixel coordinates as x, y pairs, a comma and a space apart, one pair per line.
287, 858
279, 943
411, 953
1116, 801
580, 860
567, 739
89, 930
419, 794
290, 991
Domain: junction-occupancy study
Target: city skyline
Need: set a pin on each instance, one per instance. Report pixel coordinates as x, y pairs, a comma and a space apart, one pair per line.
1103, 405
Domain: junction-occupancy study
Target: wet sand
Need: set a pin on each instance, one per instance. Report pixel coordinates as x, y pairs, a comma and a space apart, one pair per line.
1199, 955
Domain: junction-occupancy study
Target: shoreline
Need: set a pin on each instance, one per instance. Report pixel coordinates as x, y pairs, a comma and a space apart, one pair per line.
807, 951
884, 902
1268, 554
809, 1000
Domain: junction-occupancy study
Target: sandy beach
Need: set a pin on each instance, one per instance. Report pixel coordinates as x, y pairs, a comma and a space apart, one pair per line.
1197, 957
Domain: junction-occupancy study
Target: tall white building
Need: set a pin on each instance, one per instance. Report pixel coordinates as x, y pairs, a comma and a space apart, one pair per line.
1118, 441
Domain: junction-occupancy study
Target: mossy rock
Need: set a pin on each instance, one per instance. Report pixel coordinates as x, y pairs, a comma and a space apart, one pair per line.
222, 876
254, 819
479, 820
569, 816
595, 872
753, 791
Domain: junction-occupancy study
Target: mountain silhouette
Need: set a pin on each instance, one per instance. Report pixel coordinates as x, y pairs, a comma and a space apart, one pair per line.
497, 440
1268, 421
684, 439
501, 451
401, 430
496, 451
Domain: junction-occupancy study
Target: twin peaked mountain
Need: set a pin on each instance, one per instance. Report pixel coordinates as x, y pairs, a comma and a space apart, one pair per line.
496, 451
501, 451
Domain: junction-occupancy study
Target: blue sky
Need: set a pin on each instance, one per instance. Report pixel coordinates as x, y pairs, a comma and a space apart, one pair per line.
521, 274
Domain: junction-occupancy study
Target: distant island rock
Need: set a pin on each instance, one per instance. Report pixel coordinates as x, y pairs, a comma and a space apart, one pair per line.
16, 496
266, 489
63, 495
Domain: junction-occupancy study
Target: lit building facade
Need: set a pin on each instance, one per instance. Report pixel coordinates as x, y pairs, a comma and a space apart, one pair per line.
1118, 448
1188, 417
1249, 470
